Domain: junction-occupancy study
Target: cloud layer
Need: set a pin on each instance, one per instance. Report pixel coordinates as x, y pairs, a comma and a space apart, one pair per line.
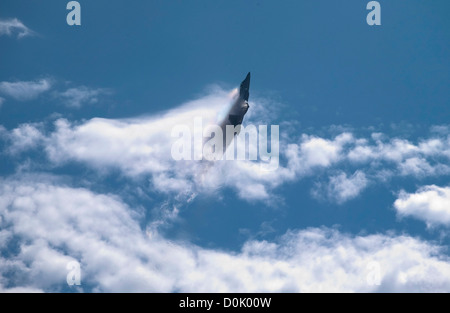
46, 224
343, 165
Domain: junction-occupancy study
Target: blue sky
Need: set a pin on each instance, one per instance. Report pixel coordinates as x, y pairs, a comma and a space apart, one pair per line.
85, 119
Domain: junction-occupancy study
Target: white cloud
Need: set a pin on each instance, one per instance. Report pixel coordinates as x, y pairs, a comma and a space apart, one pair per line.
341, 187
322, 152
2, 100
53, 224
10, 27
430, 204
397, 151
79, 96
420, 167
24, 90
25, 137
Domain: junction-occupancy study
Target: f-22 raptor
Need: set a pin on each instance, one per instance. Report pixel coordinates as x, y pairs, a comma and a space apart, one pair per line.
228, 125
237, 111
240, 106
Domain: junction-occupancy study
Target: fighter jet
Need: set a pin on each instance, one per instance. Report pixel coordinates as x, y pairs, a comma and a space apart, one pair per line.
237, 111
230, 117
229, 121
240, 106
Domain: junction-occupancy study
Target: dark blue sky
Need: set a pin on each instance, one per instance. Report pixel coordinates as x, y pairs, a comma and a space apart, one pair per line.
320, 58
